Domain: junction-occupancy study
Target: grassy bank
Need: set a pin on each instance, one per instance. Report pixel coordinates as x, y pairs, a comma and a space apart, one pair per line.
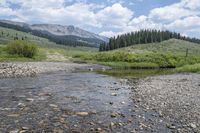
168, 54
140, 61
179, 54
189, 68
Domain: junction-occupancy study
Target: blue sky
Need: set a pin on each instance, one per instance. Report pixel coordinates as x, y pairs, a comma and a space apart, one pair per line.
108, 17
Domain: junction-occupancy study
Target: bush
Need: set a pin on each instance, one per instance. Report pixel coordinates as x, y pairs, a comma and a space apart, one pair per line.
22, 48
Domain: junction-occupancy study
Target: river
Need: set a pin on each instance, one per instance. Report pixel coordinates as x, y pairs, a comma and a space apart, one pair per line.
74, 102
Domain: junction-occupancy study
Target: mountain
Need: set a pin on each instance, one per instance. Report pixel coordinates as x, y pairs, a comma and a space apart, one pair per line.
66, 35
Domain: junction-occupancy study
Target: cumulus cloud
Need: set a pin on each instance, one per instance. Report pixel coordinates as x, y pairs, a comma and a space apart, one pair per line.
110, 20
175, 11
183, 16
115, 16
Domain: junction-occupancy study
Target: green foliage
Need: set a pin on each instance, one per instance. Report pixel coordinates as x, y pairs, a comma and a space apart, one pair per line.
22, 48
189, 68
143, 37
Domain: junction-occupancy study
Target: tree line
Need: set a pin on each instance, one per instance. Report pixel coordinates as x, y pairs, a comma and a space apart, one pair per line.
143, 37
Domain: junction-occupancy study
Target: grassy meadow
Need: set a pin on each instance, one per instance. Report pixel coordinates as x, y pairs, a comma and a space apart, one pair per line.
179, 54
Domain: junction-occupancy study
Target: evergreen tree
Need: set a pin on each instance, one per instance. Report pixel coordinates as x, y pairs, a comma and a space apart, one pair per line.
143, 37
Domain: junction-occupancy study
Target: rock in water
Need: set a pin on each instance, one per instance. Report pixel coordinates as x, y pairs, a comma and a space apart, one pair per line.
82, 113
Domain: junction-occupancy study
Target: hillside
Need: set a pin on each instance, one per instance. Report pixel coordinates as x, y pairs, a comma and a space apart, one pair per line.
7, 35
166, 54
143, 37
66, 35
46, 47
173, 46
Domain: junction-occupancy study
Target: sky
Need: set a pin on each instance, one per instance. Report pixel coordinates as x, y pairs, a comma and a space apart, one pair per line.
108, 17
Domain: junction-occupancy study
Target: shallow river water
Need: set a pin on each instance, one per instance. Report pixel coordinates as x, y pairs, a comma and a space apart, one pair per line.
73, 102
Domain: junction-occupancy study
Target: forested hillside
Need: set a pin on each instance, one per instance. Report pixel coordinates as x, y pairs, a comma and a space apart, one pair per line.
143, 37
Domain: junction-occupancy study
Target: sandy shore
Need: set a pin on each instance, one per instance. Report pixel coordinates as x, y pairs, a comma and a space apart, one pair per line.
176, 98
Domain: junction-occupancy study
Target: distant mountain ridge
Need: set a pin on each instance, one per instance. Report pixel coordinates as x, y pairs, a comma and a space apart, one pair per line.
67, 35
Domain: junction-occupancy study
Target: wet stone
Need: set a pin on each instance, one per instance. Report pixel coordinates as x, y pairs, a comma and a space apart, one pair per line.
53, 105
193, 125
14, 131
82, 113
113, 115
171, 126
113, 94
29, 99
13, 115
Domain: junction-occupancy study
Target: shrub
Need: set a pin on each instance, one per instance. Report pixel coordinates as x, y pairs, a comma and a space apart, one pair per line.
22, 48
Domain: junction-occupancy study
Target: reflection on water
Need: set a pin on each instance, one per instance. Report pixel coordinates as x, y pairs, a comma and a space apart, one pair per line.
50, 101
136, 73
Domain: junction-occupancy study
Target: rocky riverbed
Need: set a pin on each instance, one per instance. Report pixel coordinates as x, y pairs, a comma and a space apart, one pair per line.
61, 100
30, 69
175, 97
65, 102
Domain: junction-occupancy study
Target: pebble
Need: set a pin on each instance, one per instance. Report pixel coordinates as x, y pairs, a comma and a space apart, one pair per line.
113, 94
111, 103
193, 125
98, 129
170, 126
25, 128
23, 131
14, 131
29, 100
53, 105
21, 105
113, 115
13, 115
123, 102
82, 113
58, 131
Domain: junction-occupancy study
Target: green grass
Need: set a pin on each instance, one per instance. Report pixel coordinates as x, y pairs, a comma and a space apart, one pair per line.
189, 68
167, 54
173, 46
9, 35
4, 56
45, 46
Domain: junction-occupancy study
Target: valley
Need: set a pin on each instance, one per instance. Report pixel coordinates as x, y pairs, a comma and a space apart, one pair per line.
50, 87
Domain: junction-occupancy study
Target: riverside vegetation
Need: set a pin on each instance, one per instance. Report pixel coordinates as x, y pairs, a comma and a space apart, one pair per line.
92, 102
173, 53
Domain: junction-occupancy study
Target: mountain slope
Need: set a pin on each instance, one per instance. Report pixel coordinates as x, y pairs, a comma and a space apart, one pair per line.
174, 46
67, 35
7, 35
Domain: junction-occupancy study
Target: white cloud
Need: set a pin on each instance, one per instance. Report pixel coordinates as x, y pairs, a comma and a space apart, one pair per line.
179, 10
170, 13
183, 16
56, 11
188, 23
108, 33
115, 16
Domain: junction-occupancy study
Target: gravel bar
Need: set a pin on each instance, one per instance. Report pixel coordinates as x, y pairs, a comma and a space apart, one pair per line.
29, 69
176, 97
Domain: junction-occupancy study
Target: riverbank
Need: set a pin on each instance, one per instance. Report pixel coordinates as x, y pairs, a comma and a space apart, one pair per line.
29, 69
175, 97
